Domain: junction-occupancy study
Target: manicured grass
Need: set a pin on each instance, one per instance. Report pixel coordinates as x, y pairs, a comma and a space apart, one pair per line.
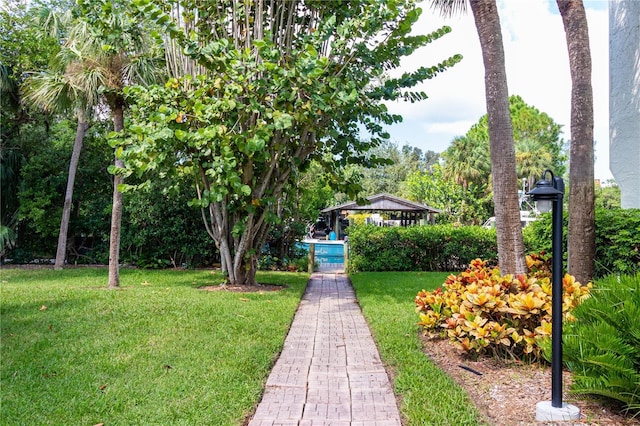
429, 397
158, 351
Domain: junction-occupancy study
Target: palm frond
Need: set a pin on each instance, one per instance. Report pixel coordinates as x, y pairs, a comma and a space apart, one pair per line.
49, 91
448, 8
601, 346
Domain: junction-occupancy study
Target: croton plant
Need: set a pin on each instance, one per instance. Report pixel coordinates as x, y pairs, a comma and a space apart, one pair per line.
483, 312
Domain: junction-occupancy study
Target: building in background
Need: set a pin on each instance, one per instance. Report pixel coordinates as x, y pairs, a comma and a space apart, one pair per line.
624, 98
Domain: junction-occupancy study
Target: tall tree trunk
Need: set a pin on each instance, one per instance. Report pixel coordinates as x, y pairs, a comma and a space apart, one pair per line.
503, 159
116, 210
582, 230
81, 130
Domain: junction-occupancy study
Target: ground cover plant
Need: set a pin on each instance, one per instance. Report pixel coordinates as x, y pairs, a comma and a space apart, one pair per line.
428, 395
158, 351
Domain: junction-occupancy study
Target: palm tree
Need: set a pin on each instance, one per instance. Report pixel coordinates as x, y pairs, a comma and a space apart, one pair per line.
119, 52
505, 183
62, 88
582, 240
532, 158
51, 92
466, 161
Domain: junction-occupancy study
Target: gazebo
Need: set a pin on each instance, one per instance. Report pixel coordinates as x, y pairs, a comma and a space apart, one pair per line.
409, 212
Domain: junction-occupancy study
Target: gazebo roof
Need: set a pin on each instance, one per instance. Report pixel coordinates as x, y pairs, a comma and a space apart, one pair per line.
384, 202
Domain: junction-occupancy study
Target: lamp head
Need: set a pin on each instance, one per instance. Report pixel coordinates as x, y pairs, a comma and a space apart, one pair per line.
545, 192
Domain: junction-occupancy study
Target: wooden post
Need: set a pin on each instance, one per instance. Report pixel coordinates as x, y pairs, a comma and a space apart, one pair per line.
346, 256
312, 256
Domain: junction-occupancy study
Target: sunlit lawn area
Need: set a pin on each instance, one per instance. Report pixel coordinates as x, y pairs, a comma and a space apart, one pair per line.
158, 351
161, 351
429, 396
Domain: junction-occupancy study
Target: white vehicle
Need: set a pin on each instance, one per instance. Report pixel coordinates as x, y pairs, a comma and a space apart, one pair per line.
525, 219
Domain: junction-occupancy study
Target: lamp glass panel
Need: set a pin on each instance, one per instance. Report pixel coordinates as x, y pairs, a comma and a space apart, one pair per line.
544, 206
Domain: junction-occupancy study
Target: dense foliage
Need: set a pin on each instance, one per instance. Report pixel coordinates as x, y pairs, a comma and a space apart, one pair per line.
152, 238
159, 229
469, 205
418, 248
23, 48
602, 346
537, 142
617, 240
269, 95
483, 312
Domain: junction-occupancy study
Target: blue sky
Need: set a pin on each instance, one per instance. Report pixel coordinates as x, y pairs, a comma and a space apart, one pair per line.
537, 69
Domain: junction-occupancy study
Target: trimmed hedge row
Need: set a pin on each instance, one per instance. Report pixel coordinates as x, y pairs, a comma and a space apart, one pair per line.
419, 248
449, 248
617, 240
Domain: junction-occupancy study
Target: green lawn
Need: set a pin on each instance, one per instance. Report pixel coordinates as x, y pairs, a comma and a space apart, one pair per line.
158, 351
429, 397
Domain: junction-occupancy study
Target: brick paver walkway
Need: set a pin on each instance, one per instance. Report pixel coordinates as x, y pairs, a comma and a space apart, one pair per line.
329, 372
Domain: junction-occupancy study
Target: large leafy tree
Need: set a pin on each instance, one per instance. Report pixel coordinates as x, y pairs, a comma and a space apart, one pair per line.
582, 231
400, 163
538, 146
274, 85
533, 130
469, 205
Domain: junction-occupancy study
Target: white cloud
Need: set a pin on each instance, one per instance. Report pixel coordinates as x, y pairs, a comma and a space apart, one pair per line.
537, 69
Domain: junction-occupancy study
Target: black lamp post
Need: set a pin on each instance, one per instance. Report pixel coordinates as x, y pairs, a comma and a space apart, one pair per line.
548, 195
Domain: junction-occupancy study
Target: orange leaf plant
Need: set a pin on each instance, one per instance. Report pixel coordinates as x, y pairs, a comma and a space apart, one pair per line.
483, 312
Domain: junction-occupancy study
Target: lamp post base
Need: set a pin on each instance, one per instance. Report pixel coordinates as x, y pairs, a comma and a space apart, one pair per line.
546, 412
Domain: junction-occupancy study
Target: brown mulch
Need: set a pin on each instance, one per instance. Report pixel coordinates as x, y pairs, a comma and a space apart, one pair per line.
506, 392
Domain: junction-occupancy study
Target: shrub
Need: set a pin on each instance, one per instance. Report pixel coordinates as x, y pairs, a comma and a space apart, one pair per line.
299, 264
602, 346
267, 262
617, 240
481, 311
160, 230
418, 248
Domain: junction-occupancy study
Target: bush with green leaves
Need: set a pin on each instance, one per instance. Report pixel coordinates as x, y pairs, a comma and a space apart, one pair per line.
419, 248
617, 240
42, 191
295, 259
161, 231
602, 346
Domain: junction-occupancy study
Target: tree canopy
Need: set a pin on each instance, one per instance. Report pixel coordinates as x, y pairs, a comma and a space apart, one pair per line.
274, 85
538, 146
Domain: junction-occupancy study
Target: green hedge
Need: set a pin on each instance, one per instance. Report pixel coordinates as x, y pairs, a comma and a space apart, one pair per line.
419, 248
617, 240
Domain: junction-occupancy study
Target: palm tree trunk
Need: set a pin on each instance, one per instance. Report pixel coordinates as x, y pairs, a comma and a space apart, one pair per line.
511, 257
81, 130
582, 231
116, 210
